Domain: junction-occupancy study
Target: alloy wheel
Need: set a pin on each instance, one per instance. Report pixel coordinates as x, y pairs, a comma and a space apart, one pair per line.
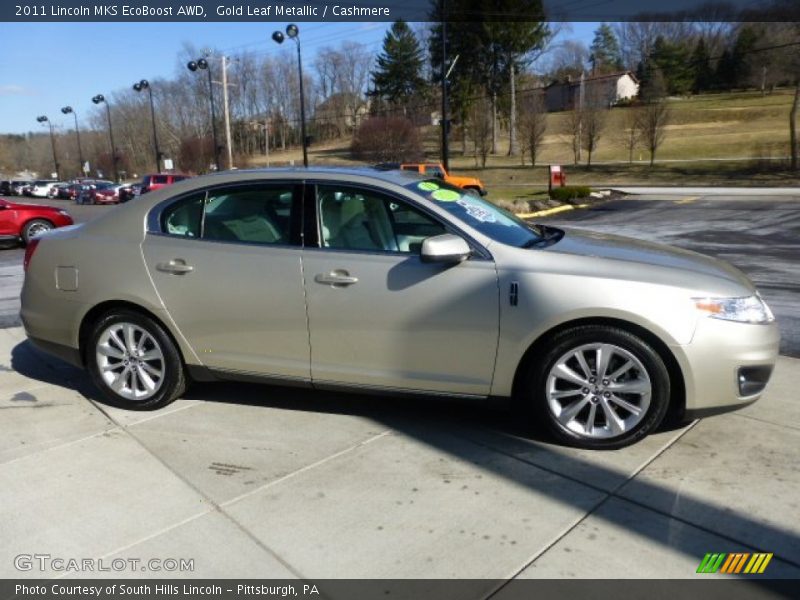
130, 361
598, 391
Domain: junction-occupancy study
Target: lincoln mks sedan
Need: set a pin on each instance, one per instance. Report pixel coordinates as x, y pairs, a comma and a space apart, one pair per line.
382, 281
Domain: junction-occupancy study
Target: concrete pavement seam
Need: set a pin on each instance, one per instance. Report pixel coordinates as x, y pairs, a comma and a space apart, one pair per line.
608, 495
214, 505
306, 468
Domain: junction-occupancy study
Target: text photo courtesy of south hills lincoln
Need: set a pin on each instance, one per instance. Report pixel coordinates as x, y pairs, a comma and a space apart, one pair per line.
424, 299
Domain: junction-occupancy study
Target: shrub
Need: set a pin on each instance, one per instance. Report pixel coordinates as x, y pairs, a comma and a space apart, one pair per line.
387, 139
568, 193
196, 154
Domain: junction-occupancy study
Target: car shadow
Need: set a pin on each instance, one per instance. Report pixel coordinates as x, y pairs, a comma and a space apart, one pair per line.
487, 433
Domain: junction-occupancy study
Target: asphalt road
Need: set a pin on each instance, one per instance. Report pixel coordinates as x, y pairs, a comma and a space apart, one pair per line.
758, 234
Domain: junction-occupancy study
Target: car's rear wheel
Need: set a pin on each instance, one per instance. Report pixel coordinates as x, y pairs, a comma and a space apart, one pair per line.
599, 387
35, 228
134, 362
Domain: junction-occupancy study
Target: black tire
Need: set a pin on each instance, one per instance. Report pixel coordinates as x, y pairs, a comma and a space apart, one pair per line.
535, 388
35, 227
473, 191
173, 383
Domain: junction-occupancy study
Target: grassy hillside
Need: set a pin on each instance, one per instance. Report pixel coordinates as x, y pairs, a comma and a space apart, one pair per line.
715, 139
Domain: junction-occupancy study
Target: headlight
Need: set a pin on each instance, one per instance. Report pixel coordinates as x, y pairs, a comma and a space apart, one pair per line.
748, 309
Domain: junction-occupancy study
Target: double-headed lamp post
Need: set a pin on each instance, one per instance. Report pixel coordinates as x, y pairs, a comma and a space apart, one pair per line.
100, 99
202, 64
69, 110
145, 85
44, 119
294, 33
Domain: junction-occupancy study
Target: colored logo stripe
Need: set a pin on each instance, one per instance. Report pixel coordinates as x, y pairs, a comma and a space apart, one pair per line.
723, 562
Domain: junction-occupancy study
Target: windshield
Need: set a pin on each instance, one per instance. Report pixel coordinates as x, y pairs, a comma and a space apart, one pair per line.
492, 221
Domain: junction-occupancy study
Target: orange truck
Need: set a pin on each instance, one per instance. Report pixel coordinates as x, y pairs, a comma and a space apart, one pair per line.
434, 169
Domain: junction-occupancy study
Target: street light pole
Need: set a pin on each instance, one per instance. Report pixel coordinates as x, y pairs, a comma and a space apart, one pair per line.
202, 63
100, 99
44, 119
294, 33
445, 144
145, 85
67, 110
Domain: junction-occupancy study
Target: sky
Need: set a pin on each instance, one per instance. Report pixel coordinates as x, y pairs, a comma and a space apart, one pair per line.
49, 65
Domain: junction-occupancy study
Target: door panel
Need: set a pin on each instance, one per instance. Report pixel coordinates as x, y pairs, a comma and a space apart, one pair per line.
403, 324
230, 280
241, 307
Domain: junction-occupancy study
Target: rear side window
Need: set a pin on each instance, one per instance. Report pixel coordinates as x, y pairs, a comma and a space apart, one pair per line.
254, 214
185, 217
159, 179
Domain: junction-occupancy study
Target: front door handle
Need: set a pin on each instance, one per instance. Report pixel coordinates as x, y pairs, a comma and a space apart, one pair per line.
176, 266
337, 278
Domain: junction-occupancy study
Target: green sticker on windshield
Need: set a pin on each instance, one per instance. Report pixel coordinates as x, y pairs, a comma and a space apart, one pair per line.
445, 195
428, 186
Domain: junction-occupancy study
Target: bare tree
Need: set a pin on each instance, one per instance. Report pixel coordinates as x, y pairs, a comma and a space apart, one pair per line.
653, 119
480, 127
573, 130
533, 124
630, 133
595, 113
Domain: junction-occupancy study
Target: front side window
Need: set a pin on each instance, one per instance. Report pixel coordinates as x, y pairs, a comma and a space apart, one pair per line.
358, 219
434, 171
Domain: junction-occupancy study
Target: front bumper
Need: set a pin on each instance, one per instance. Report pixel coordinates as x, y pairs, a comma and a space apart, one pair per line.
720, 355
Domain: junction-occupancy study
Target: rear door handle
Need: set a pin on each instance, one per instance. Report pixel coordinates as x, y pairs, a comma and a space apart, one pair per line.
336, 278
176, 266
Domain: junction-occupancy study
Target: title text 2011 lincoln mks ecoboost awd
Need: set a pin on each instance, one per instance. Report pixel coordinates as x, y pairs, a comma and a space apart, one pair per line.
382, 281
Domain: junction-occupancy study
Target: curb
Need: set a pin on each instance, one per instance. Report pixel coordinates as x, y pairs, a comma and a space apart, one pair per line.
551, 211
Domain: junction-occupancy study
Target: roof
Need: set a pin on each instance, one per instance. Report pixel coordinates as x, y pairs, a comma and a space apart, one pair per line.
397, 177
615, 75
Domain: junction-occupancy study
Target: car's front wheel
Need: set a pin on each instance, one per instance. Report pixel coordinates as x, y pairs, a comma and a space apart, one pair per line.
134, 362
599, 387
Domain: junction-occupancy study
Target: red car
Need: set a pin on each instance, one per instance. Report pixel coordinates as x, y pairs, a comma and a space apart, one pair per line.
156, 181
25, 221
106, 194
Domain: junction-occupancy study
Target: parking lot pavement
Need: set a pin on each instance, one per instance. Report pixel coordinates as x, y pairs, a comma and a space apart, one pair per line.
258, 481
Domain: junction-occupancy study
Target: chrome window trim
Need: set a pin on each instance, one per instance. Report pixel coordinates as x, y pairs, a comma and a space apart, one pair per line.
154, 216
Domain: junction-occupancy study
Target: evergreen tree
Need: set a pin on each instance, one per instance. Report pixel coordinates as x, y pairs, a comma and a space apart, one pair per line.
672, 59
398, 74
606, 56
701, 65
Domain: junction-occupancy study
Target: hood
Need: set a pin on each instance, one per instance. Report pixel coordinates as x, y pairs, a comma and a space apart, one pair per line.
26, 206
640, 252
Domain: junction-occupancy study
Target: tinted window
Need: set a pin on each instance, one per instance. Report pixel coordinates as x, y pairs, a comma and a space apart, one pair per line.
356, 219
184, 218
159, 179
258, 214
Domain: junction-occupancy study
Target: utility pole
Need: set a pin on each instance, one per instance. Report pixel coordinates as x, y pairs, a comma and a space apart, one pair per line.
227, 110
445, 148
266, 138
580, 116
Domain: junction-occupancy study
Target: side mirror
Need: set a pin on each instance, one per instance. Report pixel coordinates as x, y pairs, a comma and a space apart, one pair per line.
445, 248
